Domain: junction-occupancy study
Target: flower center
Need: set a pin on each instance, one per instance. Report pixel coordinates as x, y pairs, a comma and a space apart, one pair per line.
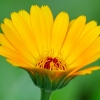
51, 63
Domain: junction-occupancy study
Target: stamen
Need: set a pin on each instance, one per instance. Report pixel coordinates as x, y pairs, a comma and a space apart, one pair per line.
51, 63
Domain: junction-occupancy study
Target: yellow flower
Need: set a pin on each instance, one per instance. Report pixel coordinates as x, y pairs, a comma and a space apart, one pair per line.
57, 49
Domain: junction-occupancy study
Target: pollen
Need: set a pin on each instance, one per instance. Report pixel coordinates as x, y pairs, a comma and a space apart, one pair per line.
51, 63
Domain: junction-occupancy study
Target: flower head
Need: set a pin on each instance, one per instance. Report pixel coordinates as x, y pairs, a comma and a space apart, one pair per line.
50, 50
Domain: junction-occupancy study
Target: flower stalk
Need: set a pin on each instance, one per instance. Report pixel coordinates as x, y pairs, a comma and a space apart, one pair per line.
45, 95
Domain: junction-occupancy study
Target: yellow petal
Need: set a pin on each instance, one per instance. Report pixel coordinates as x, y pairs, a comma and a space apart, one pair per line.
26, 17
87, 71
25, 32
11, 26
39, 28
49, 23
87, 55
5, 42
18, 63
90, 33
59, 31
16, 43
13, 55
92, 59
83, 63
73, 35
71, 23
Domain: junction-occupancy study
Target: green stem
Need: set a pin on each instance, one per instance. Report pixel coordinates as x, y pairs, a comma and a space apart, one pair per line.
45, 95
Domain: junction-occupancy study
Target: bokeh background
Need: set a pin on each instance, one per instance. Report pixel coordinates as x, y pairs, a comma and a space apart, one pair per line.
15, 83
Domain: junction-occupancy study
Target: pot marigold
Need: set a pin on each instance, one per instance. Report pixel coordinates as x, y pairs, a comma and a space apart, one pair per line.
52, 51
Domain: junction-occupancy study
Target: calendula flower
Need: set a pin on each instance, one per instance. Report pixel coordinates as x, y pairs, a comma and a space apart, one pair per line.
51, 51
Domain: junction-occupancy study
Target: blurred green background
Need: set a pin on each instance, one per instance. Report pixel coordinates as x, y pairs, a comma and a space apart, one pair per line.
15, 83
